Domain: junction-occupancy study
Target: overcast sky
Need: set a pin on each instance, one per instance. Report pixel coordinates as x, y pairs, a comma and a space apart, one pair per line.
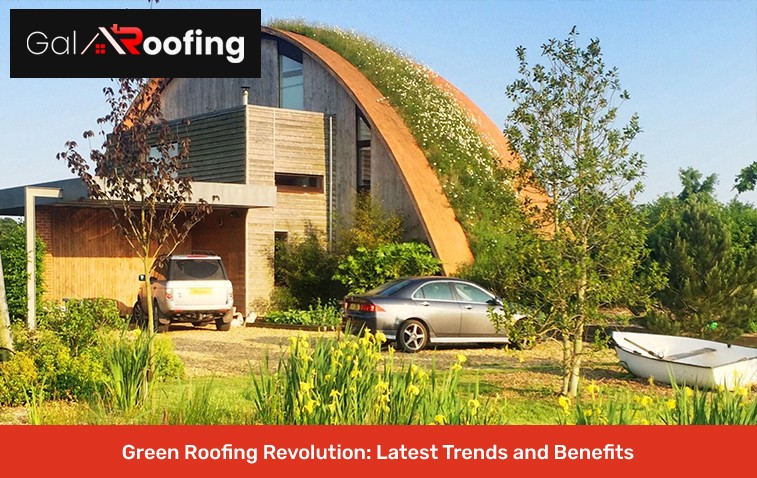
690, 67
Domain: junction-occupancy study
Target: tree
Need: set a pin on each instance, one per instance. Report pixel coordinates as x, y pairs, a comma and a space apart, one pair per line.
747, 178
563, 128
139, 173
709, 255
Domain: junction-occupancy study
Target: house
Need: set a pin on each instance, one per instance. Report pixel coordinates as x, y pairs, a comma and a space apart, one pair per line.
271, 154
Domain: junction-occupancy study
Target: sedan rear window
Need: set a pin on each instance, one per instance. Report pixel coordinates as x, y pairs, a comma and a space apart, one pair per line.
390, 288
197, 269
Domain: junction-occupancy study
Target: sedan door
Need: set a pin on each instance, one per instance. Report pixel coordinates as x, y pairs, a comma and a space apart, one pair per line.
435, 302
474, 304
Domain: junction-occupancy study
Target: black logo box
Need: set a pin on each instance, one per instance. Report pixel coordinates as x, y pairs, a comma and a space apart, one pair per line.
75, 29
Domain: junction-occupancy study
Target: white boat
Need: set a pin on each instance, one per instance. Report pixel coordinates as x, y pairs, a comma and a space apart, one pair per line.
686, 361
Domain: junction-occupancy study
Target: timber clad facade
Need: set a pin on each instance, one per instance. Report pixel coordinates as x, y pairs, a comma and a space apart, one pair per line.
273, 156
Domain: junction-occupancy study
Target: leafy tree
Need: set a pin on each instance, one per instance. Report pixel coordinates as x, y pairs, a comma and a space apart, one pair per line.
139, 173
709, 255
747, 178
563, 128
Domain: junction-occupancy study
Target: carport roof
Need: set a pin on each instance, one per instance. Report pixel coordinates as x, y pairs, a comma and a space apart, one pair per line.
74, 193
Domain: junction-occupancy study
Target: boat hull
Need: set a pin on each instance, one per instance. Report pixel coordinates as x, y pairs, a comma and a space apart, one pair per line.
686, 361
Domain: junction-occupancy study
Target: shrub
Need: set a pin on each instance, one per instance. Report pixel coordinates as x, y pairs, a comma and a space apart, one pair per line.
368, 268
322, 315
17, 376
304, 267
370, 226
78, 321
168, 365
13, 251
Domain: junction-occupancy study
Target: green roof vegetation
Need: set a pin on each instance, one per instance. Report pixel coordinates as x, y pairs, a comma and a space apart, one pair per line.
476, 185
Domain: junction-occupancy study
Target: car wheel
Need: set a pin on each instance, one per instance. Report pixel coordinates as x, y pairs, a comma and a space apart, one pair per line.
223, 326
412, 336
156, 325
137, 314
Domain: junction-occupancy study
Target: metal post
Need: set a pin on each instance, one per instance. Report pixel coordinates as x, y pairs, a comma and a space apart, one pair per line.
30, 194
331, 181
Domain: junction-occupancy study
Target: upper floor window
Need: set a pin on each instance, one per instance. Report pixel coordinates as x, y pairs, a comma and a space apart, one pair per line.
291, 83
304, 183
363, 154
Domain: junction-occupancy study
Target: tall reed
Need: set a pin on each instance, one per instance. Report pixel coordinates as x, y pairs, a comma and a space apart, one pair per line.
348, 381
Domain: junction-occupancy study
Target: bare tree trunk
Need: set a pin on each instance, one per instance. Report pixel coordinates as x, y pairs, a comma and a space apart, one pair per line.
575, 371
6, 340
566, 361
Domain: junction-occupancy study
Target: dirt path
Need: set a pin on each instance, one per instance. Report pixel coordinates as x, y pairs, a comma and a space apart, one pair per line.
207, 352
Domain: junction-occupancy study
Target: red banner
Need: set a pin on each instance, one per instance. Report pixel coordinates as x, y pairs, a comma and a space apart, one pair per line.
144, 451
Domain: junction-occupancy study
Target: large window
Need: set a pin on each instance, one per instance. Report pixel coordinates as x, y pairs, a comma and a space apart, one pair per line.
363, 154
291, 84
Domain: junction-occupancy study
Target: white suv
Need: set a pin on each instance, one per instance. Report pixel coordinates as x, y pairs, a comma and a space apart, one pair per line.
187, 288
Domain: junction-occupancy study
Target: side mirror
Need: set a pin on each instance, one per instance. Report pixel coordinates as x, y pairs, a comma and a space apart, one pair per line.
495, 301
141, 277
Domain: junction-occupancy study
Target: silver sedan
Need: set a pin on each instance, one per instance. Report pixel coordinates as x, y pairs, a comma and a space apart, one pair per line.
418, 311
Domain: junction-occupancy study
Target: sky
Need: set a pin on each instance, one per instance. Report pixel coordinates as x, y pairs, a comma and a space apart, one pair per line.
690, 68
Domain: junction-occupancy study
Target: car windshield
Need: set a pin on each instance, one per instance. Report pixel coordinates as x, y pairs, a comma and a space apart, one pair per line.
197, 269
389, 288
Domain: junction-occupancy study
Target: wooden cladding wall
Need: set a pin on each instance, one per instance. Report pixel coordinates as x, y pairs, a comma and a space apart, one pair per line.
87, 258
290, 142
185, 97
218, 146
223, 232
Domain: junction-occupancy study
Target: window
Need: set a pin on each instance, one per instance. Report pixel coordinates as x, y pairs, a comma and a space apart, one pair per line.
299, 183
434, 291
469, 293
363, 154
291, 82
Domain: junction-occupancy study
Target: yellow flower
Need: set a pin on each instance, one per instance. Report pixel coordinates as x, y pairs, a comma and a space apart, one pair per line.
356, 373
456, 367
671, 404
335, 394
461, 358
309, 406
592, 389
742, 392
650, 380
413, 369
380, 337
382, 386
688, 392
305, 387
412, 390
646, 401
473, 404
564, 403
588, 412
440, 419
